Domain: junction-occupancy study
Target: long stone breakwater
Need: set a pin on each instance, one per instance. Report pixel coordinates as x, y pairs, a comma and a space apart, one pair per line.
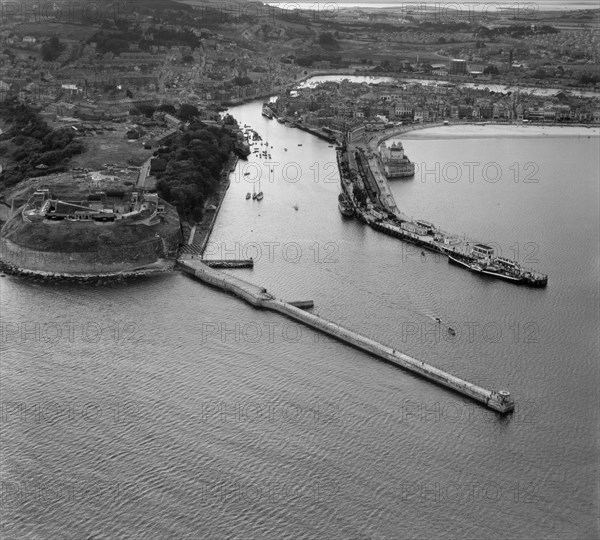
258, 297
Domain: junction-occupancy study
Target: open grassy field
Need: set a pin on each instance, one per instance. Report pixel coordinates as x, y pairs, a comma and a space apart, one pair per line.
65, 185
44, 28
110, 147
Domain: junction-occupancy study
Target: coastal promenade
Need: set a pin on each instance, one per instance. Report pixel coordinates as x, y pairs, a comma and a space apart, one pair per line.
258, 297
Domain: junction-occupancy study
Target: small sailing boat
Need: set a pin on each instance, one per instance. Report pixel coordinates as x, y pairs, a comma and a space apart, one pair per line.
259, 195
295, 207
248, 195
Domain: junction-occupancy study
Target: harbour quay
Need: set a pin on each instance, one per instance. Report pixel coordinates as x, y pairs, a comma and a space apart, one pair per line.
367, 190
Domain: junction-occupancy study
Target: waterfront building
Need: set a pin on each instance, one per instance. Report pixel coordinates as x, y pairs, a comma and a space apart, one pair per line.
395, 163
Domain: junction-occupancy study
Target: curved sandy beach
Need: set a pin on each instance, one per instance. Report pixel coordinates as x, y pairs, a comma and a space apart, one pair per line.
470, 131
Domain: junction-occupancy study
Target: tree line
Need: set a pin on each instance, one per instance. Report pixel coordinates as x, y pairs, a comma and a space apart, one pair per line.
195, 161
33, 147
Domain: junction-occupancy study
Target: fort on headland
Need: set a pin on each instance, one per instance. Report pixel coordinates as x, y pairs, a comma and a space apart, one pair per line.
111, 232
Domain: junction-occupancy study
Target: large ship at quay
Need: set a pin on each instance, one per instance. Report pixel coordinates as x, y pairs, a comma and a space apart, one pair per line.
377, 209
482, 261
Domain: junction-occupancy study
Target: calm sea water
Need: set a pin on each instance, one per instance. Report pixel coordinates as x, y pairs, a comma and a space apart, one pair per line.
166, 409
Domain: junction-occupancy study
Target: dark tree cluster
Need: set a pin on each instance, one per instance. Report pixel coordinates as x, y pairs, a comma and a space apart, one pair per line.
117, 41
446, 27
186, 112
327, 41
195, 160
307, 61
114, 42
51, 49
242, 81
171, 37
589, 78
38, 149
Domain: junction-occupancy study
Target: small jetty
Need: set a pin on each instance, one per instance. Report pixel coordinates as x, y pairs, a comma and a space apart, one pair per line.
498, 400
229, 263
303, 304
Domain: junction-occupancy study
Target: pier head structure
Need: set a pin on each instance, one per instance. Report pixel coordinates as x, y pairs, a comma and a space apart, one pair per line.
498, 400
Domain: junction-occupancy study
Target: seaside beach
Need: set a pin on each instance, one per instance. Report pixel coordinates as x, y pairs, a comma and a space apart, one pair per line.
485, 130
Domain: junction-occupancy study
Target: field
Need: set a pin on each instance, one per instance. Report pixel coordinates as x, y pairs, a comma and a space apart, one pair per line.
63, 30
111, 147
66, 186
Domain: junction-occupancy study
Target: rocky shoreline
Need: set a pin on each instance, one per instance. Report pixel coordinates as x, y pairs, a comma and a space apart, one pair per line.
98, 279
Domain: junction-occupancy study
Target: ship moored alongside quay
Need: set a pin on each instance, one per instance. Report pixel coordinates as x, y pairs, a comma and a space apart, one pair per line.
345, 205
380, 212
500, 268
267, 112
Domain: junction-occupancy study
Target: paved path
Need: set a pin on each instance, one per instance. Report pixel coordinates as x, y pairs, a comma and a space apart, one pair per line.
143, 174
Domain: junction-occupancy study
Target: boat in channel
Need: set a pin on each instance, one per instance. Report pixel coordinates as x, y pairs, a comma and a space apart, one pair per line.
267, 112
345, 205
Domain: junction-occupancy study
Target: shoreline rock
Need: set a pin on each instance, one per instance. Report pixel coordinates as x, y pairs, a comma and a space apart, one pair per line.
97, 279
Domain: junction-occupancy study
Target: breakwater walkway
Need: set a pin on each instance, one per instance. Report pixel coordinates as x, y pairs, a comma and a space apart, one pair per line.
258, 297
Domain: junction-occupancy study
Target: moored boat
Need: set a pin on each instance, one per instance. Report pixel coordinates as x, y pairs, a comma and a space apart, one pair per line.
267, 112
499, 268
345, 205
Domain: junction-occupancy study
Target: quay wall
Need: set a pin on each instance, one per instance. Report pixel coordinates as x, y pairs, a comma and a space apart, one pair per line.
317, 133
258, 297
487, 397
226, 180
222, 281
